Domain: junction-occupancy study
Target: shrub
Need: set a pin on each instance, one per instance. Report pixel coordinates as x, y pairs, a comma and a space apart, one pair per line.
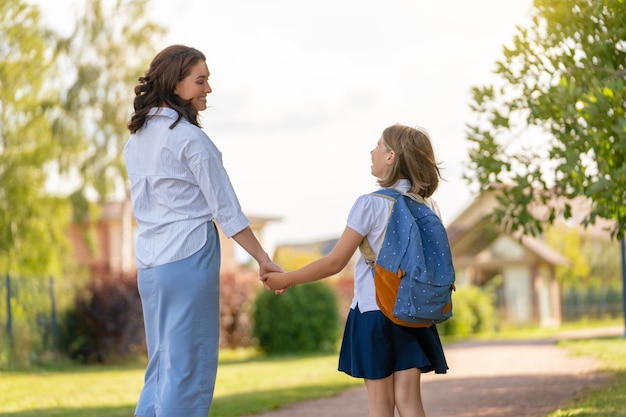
473, 312
106, 321
303, 319
237, 291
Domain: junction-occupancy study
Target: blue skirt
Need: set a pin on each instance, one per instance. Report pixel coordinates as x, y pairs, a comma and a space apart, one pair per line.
374, 347
180, 303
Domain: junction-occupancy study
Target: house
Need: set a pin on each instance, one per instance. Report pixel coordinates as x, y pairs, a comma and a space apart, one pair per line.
107, 243
521, 269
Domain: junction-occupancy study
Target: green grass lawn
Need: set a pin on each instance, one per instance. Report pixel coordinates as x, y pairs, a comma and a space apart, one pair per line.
246, 384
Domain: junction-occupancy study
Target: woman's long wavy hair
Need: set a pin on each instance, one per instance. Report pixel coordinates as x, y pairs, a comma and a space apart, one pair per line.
415, 160
156, 87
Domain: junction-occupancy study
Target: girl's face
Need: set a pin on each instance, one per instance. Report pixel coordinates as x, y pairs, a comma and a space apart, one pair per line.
382, 158
195, 87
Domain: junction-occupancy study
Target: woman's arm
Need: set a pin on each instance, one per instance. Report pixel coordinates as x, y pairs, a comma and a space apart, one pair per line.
324, 267
248, 241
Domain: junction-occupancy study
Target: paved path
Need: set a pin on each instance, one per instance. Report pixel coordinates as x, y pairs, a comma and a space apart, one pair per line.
486, 379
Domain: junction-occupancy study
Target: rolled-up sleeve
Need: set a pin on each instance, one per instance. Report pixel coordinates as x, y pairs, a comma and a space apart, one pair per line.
217, 188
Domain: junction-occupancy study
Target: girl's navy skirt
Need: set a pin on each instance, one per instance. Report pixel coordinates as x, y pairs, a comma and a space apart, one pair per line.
374, 347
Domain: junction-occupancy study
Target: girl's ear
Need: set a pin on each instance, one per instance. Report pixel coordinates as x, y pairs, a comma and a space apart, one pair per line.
391, 156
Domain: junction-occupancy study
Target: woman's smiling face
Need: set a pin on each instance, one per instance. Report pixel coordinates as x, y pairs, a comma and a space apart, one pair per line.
195, 86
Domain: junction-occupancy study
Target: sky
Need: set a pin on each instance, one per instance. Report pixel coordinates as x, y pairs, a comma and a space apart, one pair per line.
302, 91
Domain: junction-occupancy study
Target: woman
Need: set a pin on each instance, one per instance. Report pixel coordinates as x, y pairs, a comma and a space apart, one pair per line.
179, 190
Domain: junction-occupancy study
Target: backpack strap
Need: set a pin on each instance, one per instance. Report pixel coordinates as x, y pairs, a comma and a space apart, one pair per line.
392, 193
367, 252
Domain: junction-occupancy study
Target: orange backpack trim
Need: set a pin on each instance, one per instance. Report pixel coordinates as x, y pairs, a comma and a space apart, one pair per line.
387, 284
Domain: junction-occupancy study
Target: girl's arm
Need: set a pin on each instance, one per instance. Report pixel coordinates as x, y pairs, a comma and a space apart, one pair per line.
324, 267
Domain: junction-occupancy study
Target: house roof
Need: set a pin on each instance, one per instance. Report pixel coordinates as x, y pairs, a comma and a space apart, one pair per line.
543, 251
472, 232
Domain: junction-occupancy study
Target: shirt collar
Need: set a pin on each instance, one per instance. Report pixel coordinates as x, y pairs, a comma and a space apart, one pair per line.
163, 111
403, 185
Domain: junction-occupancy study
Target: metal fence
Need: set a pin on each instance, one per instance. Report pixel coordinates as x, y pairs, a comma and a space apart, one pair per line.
591, 303
29, 315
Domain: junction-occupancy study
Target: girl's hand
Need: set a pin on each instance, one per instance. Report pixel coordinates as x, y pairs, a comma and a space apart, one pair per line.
277, 281
266, 267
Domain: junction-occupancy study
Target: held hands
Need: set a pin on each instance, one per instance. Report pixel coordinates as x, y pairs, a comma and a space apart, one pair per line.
265, 268
273, 277
277, 281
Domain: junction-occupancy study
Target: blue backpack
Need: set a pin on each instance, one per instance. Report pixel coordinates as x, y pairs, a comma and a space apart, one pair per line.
413, 272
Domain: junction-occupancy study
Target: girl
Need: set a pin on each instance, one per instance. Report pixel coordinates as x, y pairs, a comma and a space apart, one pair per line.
390, 358
179, 189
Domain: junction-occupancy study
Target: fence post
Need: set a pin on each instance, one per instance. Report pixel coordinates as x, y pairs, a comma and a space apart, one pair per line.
53, 316
624, 281
9, 318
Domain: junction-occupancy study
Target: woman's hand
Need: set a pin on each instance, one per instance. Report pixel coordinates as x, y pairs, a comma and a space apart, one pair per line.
265, 268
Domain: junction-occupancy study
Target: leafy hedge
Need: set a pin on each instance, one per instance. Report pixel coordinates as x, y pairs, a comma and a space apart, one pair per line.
106, 320
237, 292
303, 319
473, 312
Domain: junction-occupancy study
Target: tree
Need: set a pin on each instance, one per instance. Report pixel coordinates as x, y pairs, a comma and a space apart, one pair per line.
575, 246
109, 48
562, 80
32, 223
594, 259
64, 104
